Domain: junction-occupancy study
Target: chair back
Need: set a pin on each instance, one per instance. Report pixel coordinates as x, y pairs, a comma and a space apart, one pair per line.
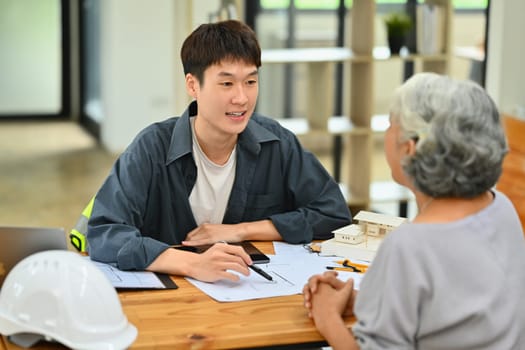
512, 180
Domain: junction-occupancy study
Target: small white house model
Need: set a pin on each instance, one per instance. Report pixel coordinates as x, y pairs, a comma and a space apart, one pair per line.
360, 240
368, 224
374, 224
352, 234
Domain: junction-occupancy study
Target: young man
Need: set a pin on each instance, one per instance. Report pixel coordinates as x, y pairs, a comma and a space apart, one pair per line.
217, 173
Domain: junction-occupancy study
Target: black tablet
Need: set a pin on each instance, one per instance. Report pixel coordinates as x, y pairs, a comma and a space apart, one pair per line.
256, 255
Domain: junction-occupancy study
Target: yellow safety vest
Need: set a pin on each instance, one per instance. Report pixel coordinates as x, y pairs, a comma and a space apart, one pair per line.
77, 235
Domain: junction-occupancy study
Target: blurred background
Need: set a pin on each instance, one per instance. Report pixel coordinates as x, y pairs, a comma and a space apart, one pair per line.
80, 78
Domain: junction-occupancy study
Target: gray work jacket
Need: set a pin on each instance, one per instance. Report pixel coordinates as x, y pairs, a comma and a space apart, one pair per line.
143, 206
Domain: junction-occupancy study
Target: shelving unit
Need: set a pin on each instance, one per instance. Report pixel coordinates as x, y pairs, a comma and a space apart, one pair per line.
359, 126
359, 146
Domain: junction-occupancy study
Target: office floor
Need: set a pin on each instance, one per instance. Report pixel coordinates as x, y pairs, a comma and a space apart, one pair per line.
49, 171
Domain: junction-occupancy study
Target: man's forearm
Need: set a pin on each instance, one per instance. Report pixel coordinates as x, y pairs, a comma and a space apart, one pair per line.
262, 230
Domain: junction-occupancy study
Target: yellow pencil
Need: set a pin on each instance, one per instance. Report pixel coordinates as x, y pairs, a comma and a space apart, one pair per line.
347, 262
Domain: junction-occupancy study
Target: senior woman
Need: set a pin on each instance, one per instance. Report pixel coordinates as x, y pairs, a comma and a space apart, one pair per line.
454, 276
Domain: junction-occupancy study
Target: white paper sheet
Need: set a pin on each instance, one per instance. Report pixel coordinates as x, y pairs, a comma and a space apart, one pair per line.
129, 279
290, 269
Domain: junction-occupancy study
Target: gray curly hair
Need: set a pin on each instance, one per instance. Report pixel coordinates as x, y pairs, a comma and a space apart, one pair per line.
460, 142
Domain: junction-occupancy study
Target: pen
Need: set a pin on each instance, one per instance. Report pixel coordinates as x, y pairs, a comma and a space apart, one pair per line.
349, 268
255, 268
260, 272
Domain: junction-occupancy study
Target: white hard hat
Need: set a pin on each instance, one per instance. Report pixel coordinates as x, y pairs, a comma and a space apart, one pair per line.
62, 296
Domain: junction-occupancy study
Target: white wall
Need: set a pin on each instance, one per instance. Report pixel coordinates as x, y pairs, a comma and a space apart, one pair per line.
506, 53
136, 67
142, 78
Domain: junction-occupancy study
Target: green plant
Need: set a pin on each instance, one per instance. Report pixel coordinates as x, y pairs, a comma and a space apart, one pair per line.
397, 24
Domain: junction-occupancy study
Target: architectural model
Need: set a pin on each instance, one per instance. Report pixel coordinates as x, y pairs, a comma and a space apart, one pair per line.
362, 239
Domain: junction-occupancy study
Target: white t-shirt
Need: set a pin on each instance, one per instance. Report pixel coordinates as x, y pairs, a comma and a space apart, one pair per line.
209, 196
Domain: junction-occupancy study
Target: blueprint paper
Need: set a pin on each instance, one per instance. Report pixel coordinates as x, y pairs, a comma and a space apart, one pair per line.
290, 272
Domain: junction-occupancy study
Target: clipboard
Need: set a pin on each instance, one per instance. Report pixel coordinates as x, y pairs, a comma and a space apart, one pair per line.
135, 280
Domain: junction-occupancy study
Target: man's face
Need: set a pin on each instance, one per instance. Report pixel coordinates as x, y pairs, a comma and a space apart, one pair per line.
226, 99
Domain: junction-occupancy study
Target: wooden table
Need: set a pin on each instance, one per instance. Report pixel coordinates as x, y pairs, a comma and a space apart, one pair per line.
2, 346
186, 318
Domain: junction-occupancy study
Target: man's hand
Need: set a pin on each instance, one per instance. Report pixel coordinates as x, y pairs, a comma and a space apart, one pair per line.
212, 233
262, 230
214, 264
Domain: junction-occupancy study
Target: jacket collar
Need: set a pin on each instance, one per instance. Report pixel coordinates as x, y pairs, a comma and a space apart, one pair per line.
181, 139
